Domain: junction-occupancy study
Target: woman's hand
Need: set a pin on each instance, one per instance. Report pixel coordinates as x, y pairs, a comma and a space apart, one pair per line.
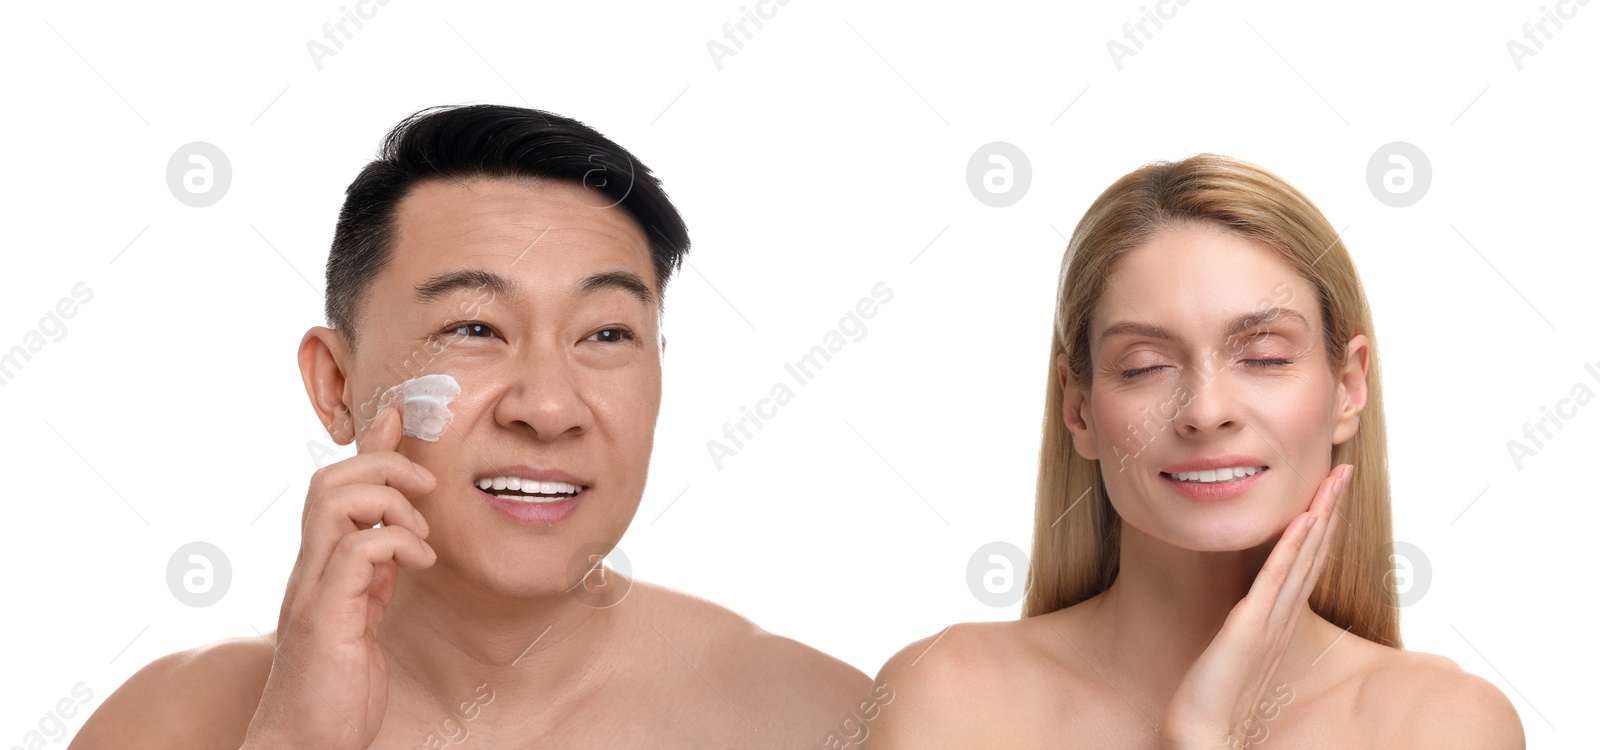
329, 685
1214, 702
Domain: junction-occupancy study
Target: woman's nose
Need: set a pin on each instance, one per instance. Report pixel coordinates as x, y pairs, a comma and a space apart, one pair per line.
1212, 405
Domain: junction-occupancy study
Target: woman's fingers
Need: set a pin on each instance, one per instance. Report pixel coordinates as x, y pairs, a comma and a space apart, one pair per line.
1334, 519
1275, 572
1289, 596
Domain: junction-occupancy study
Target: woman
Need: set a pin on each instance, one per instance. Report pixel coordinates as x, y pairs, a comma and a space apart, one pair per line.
1210, 562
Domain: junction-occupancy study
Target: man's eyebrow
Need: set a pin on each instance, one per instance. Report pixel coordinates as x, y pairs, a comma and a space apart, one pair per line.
446, 283
1239, 325
626, 281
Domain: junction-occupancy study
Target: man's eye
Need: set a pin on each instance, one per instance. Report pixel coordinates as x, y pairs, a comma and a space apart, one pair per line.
611, 335
470, 330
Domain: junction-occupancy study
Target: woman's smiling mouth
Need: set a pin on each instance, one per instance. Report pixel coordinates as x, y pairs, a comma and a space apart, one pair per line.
1225, 474
1242, 479
1215, 477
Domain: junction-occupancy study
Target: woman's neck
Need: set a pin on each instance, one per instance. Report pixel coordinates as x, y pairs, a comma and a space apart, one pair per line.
1166, 606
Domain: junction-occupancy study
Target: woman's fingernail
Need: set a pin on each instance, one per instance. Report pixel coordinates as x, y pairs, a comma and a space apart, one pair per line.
422, 523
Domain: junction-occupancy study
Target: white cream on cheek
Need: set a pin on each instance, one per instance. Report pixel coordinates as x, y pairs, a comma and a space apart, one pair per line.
424, 404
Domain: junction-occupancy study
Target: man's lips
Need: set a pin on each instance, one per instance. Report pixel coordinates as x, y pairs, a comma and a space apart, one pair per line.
526, 483
532, 496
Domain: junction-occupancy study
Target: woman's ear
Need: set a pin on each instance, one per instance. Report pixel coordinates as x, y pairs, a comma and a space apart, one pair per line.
324, 354
1075, 411
1350, 397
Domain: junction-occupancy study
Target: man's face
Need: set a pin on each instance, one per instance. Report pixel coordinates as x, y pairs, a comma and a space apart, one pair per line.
560, 368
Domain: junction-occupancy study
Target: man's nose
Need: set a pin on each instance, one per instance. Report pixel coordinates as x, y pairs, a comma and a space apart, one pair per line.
545, 394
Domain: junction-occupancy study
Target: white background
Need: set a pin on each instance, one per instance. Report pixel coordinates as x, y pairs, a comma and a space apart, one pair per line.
822, 158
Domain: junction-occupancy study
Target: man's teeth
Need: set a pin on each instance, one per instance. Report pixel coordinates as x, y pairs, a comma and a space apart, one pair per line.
1217, 475
527, 490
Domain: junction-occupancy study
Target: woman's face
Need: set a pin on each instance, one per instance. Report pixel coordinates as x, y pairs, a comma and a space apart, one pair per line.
1206, 345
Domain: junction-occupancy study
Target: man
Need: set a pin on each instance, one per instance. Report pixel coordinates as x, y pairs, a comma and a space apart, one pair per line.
524, 255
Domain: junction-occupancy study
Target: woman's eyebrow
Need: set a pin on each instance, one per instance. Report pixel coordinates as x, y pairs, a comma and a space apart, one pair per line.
1247, 321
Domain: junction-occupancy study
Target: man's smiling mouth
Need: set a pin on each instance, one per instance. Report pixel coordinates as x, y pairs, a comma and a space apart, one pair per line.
522, 490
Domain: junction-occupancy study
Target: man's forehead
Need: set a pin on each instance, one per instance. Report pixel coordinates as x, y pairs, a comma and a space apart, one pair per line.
492, 212
512, 228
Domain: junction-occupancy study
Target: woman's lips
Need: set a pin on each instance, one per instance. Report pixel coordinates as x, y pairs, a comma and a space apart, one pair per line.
1203, 491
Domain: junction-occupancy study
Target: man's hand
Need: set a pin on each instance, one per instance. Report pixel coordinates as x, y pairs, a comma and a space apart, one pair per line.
329, 685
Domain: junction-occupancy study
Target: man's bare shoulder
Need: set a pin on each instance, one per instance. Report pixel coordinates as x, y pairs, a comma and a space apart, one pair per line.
783, 687
1445, 706
201, 697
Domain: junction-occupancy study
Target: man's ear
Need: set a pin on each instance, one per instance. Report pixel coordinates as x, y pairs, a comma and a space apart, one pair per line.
324, 356
1075, 412
1350, 396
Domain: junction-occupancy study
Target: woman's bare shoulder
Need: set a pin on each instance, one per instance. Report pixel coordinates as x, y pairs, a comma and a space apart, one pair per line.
1432, 702
199, 697
959, 686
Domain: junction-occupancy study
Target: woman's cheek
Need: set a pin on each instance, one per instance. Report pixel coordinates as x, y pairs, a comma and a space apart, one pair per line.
1297, 421
1127, 429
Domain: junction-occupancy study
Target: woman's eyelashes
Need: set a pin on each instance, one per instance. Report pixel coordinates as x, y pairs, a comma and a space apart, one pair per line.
1261, 363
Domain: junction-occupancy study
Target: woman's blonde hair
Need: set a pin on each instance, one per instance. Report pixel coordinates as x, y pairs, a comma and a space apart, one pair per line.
1075, 555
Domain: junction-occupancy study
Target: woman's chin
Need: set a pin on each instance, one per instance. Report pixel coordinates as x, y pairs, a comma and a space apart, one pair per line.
1230, 535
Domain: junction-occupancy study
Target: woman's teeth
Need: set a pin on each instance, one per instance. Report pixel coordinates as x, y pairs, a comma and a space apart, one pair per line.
1217, 475
527, 490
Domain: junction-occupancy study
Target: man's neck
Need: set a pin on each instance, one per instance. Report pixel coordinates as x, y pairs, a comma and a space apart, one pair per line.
448, 640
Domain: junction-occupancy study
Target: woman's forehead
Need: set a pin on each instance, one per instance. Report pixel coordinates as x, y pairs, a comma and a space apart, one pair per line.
1197, 278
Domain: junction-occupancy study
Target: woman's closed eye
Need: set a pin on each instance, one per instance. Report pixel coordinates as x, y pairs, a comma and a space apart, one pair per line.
1132, 374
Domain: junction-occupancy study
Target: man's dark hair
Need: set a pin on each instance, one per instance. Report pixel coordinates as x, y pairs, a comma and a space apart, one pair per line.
486, 140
